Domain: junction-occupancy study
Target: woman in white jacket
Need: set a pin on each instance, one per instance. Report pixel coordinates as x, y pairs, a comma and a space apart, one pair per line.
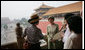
74, 41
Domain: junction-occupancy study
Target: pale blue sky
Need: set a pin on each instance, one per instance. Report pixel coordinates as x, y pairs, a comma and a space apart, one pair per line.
20, 9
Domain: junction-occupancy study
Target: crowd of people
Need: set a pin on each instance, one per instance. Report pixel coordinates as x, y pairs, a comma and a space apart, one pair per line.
70, 33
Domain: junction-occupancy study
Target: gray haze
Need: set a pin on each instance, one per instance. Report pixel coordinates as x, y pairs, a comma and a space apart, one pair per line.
20, 9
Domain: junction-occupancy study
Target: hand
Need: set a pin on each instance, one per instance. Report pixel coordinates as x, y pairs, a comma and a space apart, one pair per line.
62, 35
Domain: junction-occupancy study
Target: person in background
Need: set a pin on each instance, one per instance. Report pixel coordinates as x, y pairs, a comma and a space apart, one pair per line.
19, 32
74, 41
52, 29
33, 33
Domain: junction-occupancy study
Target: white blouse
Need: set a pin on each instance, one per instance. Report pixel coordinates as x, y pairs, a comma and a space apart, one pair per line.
66, 34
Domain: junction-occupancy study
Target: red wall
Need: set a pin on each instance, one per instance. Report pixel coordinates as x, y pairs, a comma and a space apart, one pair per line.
43, 25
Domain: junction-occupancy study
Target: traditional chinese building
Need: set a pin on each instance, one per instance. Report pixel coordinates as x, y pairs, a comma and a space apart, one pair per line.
59, 13
43, 9
62, 10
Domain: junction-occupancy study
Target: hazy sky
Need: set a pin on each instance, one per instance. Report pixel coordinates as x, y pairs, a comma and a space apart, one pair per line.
20, 9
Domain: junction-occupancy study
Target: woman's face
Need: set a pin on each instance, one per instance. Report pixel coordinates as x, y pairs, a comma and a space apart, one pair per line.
51, 20
65, 21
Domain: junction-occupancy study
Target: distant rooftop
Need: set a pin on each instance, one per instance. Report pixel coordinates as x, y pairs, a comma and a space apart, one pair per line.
44, 6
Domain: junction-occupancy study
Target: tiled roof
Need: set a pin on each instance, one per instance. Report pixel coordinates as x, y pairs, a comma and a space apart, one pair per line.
65, 9
44, 6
